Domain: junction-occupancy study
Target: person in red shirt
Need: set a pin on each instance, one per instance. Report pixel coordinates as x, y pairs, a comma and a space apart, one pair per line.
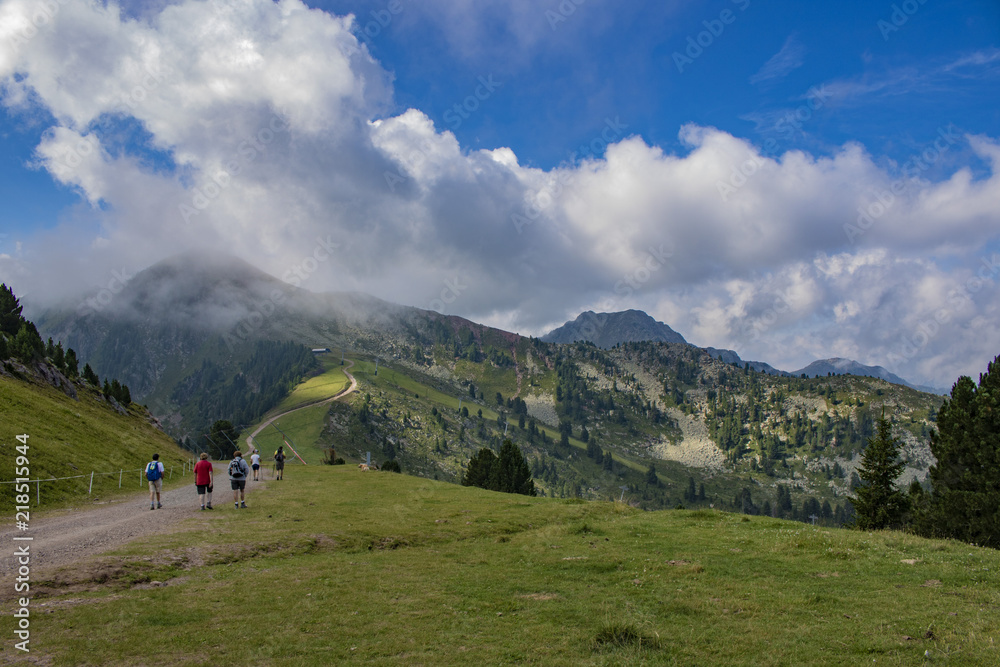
203, 479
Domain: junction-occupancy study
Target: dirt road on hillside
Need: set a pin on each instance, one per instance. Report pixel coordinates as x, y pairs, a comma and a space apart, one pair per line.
352, 387
68, 536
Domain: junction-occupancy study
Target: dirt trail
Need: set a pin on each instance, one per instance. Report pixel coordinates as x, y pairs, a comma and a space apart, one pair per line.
68, 536
352, 387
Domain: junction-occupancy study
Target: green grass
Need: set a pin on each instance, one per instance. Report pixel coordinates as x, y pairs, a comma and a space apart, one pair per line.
343, 567
72, 438
305, 425
325, 385
302, 426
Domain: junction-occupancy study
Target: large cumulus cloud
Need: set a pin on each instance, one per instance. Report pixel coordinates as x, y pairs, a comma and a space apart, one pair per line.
265, 129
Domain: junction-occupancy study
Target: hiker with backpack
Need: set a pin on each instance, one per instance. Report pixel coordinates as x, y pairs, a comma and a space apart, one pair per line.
279, 463
238, 473
154, 475
203, 479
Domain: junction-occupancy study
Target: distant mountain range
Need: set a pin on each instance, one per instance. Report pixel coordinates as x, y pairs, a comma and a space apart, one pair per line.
606, 330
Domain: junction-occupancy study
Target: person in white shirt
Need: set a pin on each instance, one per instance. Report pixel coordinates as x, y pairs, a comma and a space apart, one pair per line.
255, 464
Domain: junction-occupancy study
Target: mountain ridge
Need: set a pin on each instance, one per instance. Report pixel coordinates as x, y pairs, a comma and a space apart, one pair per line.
606, 330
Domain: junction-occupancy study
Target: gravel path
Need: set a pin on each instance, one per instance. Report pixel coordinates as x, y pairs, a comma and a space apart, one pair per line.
69, 536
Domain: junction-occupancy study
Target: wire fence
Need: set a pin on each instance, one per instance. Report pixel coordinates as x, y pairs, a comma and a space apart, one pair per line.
186, 467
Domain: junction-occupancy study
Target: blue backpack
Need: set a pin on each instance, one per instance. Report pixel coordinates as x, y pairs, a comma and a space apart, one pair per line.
153, 471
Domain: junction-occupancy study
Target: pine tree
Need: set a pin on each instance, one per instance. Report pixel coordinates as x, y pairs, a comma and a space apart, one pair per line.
651, 477
72, 363
515, 476
964, 502
90, 376
481, 470
27, 344
878, 502
10, 312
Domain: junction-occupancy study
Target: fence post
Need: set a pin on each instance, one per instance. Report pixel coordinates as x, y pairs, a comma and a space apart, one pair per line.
91, 483
171, 473
120, 473
38, 493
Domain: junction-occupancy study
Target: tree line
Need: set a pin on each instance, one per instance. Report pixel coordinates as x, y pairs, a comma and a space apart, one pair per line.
963, 501
20, 340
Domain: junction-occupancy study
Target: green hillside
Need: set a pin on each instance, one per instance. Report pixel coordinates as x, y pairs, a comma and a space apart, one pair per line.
666, 420
71, 438
339, 566
782, 446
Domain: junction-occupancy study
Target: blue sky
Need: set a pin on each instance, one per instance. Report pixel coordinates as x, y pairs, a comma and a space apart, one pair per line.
420, 136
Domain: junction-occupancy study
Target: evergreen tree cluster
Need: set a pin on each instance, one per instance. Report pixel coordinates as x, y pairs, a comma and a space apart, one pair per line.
259, 383
19, 339
508, 473
18, 336
964, 501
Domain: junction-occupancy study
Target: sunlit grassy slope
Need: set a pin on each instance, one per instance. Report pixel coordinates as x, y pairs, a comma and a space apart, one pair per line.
325, 385
72, 438
335, 566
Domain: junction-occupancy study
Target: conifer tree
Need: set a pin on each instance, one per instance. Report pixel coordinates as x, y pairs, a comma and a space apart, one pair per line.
10, 312
515, 475
72, 363
964, 502
878, 502
28, 344
651, 477
480, 471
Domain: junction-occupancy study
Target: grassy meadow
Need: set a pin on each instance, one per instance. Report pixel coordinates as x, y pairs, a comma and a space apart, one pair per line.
71, 438
339, 566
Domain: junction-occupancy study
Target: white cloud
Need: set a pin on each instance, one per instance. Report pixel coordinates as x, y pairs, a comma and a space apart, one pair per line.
790, 57
275, 126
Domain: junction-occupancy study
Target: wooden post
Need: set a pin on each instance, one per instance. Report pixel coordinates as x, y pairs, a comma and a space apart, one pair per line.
120, 473
91, 483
